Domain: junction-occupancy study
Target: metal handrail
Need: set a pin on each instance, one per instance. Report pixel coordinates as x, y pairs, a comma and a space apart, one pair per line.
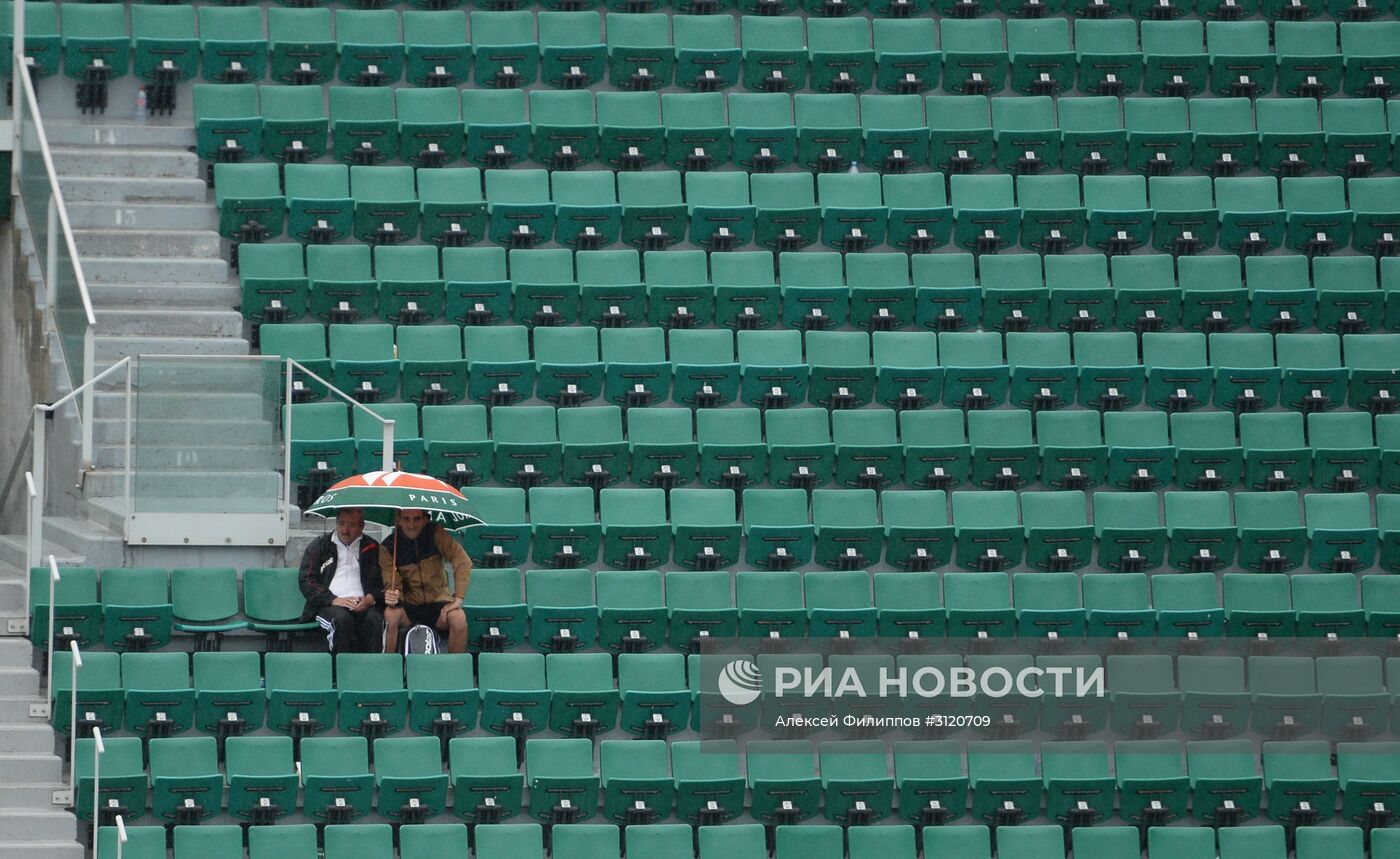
387, 458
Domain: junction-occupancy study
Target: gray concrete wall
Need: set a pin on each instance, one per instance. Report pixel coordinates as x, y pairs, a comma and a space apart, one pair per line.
23, 363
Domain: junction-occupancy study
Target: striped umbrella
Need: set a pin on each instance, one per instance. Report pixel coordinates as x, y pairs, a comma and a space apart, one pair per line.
381, 494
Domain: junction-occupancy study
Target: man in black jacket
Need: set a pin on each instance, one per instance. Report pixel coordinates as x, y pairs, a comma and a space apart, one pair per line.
341, 581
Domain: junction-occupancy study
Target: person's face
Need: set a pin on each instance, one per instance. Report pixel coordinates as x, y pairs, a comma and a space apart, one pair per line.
411, 523
349, 525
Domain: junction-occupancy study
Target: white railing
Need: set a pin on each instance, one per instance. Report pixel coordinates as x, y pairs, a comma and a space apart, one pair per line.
68, 304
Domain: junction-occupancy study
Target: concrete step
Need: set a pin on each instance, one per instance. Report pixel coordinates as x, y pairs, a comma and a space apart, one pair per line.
31, 769
107, 269
12, 552
107, 512
192, 295
98, 546
111, 432
164, 163
167, 216
193, 491
23, 680
42, 850
110, 134
15, 653
15, 708
114, 348
133, 190
130, 242
29, 795
26, 739
38, 825
14, 602
120, 321
220, 457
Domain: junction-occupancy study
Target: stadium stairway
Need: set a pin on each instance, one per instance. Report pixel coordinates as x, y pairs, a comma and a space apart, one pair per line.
34, 827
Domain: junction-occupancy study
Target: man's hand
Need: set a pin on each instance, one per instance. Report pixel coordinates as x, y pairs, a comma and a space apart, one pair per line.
366, 601
391, 597
350, 603
447, 609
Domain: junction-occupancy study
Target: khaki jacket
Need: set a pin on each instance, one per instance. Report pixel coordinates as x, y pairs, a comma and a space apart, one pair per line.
427, 582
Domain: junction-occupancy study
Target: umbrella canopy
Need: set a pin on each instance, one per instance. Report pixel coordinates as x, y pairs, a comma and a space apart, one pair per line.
381, 494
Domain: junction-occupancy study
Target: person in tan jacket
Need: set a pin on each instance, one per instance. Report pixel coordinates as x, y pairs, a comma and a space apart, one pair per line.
413, 560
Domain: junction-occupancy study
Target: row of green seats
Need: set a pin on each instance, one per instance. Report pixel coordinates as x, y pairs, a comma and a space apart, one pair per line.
748, 841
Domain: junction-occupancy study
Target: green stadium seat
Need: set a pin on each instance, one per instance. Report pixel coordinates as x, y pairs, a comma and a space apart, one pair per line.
1152, 782
917, 534
519, 841
1004, 454
436, 50
842, 375
732, 453
205, 602
709, 788
777, 530
1119, 217
853, 217
216, 842
565, 534
515, 701
136, 607
372, 841
564, 786
1042, 62
42, 43
505, 50
430, 127
985, 210
639, 50
635, 531
787, 217
1130, 532
841, 54
1370, 360
960, 133
1199, 530
1027, 138
1042, 372
159, 701
1109, 62
1142, 689
1176, 64
906, 59
582, 698
720, 217
1290, 136
1117, 616
907, 375
1345, 458
1111, 378
421, 841
947, 297
1072, 452
1272, 538
256, 211
697, 129
1094, 139
373, 701
1080, 298
1052, 218
572, 53
494, 607
782, 775
1328, 610
303, 51
1178, 376
228, 693
301, 697
1015, 294
124, 782
707, 53
165, 49
632, 135
1242, 62
975, 61
774, 52
228, 126
370, 46
486, 781
1310, 64
1185, 220
1179, 843
1004, 784
987, 526
1059, 537
479, 294
95, 43
564, 132
372, 374
497, 132
319, 208
566, 359
364, 130
763, 130
848, 533
409, 779
636, 779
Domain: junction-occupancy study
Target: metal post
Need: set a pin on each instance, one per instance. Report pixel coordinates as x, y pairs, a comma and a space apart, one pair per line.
33, 544
17, 96
85, 422
126, 472
97, 750
39, 469
121, 835
286, 448
388, 445
53, 586
51, 257
73, 721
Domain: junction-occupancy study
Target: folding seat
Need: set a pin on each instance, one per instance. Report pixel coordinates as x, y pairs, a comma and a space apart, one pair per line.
654, 215
777, 531
987, 526
515, 699
1052, 218
637, 372
497, 132
425, 840
853, 218
410, 286
165, 51
708, 787
655, 699
823, 842
907, 603
631, 131
228, 693
1340, 532
678, 288
1207, 455
1109, 61
100, 697
1373, 233
639, 50
1348, 299
631, 611
96, 49
1367, 52
1027, 139
1242, 62
1287, 704
1042, 373
1094, 139
254, 211
842, 376
563, 129
1251, 219
946, 294
564, 786
770, 606
936, 452
976, 374
583, 702
1152, 782
1159, 136
1171, 843
303, 51
763, 130
294, 121
495, 610
707, 55
637, 786
1048, 611
436, 49
881, 296
452, 206
1174, 56
363, 362
1246, 376
719, 210
1111, 842
1072, 452
1110, 376
773, 373
1299, 783
1116, 613
1328, 613
1042, 62
1370, 360
829, 134
594, 453
1310, 65
1356, 136
868, 453
906, 56
42, 43
611, 293
975, 61
1190, 621
218, 842
787, 217
705, 372
408, 773
572, 53
697, 130
1185, 221
1366, 773
500, 371
1004, 455
782, 776
1178, 376
1080, 298
1226, 143
1141, 690
917, 534
1272, 538
1314, 378
1290, 136
228, 126
136, 608
77, 614
124, 782
984, 207
373, 701
839, 49
505, 48
386, 205
1377, 592
960, 132
1345, 456
700, 608
932, 789
430, 127
1119, 217
527, 445
1004, 784
855, 777
158, 698
1058, 535
364, 130
920, 218
1129, 530
205, 601
1318, 217
370, 46
731, 449
1201, 538
775, 55
565, 534
546, 294
1355, 704
1078, 789
519, 208
516, 840
907, 375
320, 209
635, 531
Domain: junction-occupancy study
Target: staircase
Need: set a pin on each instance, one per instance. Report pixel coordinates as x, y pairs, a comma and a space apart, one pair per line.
30, 824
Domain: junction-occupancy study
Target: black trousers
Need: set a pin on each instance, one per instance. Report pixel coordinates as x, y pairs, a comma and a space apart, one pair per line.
352, 631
